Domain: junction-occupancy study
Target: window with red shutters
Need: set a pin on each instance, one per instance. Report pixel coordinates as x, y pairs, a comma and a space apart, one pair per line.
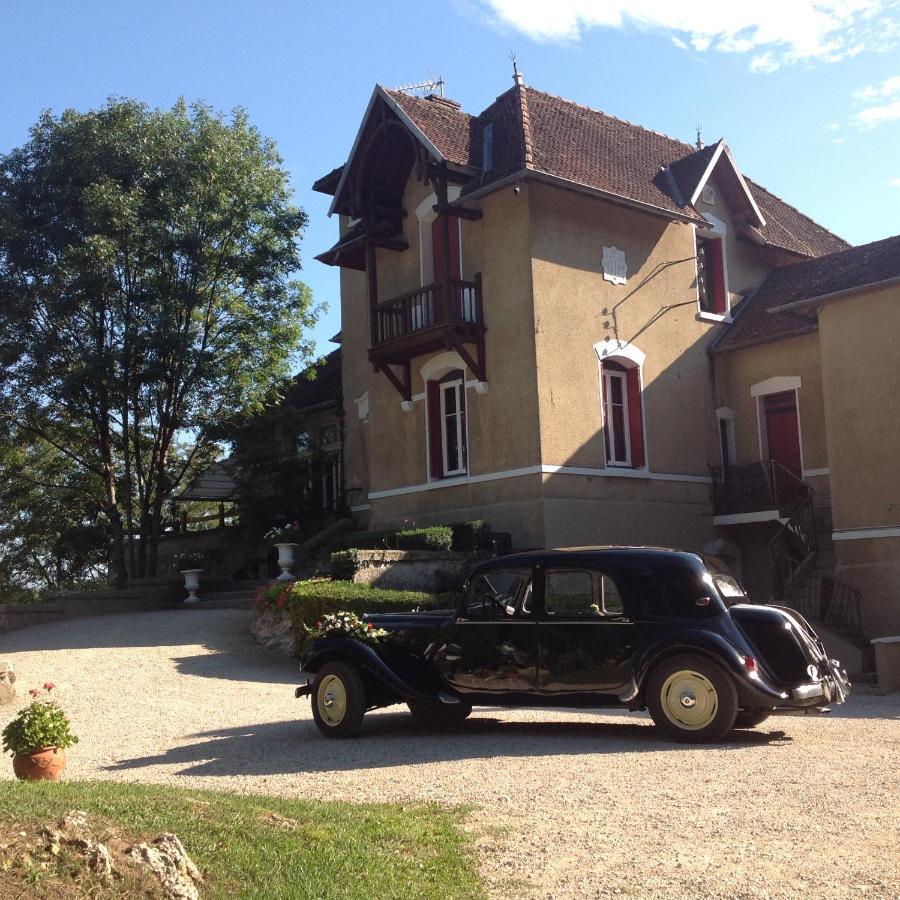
447, 450
623, 431
711, 276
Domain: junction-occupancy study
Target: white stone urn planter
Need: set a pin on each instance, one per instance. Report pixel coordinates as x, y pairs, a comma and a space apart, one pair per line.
191, 583
286, 554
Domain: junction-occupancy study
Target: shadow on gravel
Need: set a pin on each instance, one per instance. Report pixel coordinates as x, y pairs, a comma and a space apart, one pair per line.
396, 739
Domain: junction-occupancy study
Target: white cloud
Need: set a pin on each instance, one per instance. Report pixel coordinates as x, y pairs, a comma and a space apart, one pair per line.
833, 126
838, 140
888, 88
878, 115
882, 102
765, 62
778, 32
894, 182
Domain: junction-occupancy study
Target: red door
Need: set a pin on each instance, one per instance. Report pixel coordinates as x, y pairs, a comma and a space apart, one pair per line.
783, 431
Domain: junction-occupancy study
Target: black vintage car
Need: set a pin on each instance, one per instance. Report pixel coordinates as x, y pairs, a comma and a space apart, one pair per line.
629, 627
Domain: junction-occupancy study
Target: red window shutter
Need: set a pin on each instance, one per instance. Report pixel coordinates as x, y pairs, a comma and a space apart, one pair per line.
604, 401
716, 275
437, 242
635, 418
435, 440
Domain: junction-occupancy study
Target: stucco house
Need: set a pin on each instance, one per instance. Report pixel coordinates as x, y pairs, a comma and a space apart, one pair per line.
587, 332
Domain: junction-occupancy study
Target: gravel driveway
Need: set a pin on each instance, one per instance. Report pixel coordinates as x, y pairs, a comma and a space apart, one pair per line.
565, 804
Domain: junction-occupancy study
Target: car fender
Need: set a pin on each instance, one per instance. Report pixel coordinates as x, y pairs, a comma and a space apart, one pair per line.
752, 688
364, 657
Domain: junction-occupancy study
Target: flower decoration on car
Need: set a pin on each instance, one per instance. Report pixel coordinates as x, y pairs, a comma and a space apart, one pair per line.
347, 624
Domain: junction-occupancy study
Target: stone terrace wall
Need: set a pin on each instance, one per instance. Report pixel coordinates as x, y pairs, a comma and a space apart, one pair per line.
413, 570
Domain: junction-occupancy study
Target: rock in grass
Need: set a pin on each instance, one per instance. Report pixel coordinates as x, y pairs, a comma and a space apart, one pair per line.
169, 862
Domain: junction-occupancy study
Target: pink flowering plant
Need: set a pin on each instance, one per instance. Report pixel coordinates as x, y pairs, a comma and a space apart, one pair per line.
39, 725
348, 624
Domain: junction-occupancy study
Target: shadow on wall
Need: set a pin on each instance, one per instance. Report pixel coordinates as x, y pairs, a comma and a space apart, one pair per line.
396, 739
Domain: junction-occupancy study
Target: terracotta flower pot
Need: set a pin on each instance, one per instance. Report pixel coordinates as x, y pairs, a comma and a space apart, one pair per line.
43, 764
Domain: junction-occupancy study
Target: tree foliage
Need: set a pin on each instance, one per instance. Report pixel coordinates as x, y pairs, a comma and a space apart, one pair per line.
146, 292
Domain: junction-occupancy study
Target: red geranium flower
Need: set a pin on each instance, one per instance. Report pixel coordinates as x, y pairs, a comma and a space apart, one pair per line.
49, 685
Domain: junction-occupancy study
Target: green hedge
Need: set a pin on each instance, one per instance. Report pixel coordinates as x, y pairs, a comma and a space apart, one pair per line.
437, 537
307, 601
467, 537
472, 537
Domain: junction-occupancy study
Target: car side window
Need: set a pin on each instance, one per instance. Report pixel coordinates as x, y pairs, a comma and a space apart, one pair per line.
499, 594
581, 594
612, 600
570, 593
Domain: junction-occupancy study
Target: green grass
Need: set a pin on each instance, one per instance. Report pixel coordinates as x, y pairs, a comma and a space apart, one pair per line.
245, 848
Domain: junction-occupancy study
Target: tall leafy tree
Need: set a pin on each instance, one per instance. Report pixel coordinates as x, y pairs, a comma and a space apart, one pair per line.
147, 291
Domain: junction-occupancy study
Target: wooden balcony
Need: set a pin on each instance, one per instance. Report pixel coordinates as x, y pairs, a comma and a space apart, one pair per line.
430, 317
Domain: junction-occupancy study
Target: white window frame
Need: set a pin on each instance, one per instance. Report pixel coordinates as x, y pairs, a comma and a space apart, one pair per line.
459, 467
781, 384
609, 374
334, 469
724, 414
320, 439
718, 232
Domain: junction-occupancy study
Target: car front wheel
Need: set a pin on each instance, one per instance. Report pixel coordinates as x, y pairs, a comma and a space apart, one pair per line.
692, 699
339, 700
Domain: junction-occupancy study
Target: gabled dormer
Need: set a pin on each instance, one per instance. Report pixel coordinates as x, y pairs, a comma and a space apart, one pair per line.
402, 137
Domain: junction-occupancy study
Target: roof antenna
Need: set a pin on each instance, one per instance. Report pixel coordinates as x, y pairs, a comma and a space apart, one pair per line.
435, 84
517, 75
699, 142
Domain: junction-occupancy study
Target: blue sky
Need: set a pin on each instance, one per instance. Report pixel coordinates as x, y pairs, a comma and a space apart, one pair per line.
806, 94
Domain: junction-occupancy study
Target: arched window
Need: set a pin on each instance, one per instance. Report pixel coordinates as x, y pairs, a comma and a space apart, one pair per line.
446, 400
712, 270
621, 404
445, 397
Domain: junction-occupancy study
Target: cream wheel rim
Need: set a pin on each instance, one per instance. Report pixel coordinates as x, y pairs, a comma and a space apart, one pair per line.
689, 700
331, 698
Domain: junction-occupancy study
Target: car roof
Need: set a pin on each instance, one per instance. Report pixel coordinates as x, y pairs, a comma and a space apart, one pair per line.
592, 556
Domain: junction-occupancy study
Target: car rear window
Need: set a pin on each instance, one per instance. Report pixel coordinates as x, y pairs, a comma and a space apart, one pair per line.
669, 591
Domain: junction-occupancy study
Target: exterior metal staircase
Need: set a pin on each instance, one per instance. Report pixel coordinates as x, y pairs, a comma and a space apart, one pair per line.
801, 552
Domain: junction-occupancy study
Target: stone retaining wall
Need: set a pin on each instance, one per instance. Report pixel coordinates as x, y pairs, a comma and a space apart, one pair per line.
24, 615
147, 595
413, 570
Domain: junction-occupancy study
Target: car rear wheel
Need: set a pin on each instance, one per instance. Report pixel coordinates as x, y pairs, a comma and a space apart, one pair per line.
339, 700
750, 718
439, 713
692, 699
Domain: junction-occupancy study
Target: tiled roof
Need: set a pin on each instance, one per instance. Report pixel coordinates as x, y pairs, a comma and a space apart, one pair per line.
442, 122
215, 483
845, 270
790, 229
688, 170
540, 132
323, 387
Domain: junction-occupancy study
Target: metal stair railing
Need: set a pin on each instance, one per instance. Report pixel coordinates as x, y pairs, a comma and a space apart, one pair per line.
795, 541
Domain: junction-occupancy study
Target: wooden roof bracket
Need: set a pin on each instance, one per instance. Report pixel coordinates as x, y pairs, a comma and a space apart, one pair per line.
476, 364
403, 383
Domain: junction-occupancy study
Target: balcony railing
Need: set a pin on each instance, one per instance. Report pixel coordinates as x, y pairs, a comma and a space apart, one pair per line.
430, 306
756, 487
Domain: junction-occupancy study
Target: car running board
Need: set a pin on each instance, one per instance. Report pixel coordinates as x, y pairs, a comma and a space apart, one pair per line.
803, 711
